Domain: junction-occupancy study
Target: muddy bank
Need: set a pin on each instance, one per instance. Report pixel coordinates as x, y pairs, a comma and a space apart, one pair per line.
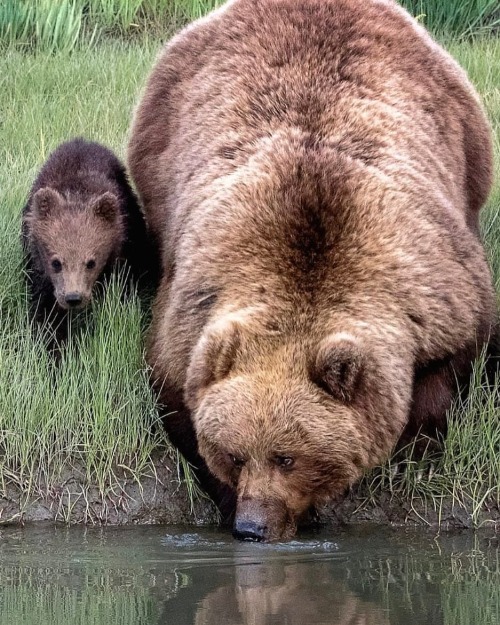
162, 496
357, 507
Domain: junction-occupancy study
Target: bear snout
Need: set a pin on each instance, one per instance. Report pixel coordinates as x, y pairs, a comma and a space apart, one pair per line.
259, 520
252, 531
73, 299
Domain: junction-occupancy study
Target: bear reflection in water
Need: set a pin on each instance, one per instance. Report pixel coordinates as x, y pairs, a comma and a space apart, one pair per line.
263, 595
296, 594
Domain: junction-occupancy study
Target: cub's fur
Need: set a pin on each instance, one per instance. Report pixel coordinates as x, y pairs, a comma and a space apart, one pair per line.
80, 219
313, 172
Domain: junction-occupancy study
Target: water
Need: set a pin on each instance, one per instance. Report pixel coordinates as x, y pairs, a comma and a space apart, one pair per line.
150, 576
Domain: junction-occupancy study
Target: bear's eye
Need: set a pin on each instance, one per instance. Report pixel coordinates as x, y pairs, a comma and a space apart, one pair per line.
56, 265
284, 462
90, 264
238, 462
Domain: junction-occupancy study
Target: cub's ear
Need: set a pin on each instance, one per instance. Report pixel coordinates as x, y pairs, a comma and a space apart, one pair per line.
106, 207
47, 202
339, 366
212, 359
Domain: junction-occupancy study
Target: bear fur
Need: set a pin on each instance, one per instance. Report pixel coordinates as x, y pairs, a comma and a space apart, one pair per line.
312, 172
81, 218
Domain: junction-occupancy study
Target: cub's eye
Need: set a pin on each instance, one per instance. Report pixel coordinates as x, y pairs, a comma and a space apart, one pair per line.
56, 265
284, 462
90, 264
238, 462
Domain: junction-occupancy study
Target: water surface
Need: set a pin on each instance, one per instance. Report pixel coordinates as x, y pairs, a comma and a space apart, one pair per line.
151, 575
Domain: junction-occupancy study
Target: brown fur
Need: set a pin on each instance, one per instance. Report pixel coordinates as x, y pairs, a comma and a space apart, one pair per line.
81, 218
313, 173
75, 234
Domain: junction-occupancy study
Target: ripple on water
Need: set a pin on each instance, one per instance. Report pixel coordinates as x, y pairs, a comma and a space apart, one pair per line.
203, 548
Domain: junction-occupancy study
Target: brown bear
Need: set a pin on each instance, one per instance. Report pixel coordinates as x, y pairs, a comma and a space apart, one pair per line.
313, 172
81, 217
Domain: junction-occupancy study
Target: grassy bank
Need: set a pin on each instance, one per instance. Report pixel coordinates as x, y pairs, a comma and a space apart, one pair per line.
97, 410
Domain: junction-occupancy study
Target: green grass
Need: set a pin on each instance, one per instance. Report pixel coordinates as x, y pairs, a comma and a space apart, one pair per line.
461, 18
464, 475
67, 24
94, 409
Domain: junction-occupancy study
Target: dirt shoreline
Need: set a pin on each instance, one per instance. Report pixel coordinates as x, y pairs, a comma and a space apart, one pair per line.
162, 498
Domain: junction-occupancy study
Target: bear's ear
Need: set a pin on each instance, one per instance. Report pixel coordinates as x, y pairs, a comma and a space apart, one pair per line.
212, 360
47, 202
106, 207
339, 366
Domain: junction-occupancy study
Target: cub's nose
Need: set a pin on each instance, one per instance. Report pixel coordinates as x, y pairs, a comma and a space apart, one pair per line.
73, 299
248, 530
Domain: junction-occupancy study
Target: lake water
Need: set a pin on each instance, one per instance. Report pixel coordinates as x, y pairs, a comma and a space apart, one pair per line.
152, 575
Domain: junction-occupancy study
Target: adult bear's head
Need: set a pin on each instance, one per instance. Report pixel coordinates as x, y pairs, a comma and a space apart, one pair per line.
290, 420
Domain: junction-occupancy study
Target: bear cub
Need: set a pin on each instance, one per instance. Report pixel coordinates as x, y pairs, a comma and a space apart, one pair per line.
81, 218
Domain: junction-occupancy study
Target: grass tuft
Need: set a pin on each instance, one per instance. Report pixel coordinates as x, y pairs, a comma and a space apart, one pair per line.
461, 18
464, 473
41, 24
47, 26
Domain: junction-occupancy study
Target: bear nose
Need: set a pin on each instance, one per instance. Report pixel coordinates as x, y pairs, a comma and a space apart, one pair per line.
73, 299
249, 530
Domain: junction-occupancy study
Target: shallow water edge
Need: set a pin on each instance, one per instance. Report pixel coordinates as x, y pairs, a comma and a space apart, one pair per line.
158, 576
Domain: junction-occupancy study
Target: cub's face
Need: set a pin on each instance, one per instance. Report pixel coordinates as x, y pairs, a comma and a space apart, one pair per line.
287, 431
76, 242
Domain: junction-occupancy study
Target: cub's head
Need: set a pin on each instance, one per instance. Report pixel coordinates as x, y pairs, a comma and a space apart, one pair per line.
77, 239
288, 423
